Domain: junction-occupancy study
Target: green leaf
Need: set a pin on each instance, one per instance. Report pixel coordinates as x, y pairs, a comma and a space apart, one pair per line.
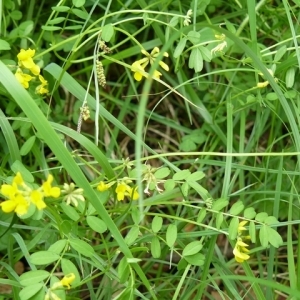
30, 291
174, 21
272, 96
27, 146
252, 231
236, 208
32, 277
78, 3
181, 175
4, 45
96, 224
56, 20
233, 228
192, 248
51, 28
196, 176
16, 15
61, 8
185, 189
219, 204
58, 246
82, 247
249, 213
182, 264
162, 173
230, 27
43, 257
206, 54
155, 247
290, 77
132, 235
17, 166
201, 215
107, 32
280, 52
194, 37
270, 220
69, 267
260, 217
123, 270
156, 224
70, 211
180, 47
196, 259
169, 184
171, 235
263, 235
219, 220
80, 14
274, 237
187, 145
196, 60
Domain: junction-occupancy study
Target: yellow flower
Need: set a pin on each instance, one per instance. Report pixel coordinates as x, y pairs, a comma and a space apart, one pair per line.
41, 89
37, 198
17, 204
123, 190
102, 187
138, 67
134, 194
67, 280
26, 61
23, 78
240, 251
138, 71
241, 227
262, 84
20, 195
48, 190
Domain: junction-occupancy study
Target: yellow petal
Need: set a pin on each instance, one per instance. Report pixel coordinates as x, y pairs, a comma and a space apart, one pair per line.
37, 199
35, 69
145, 52
164, 65
154, 51
138, 76
67, 280
8, 206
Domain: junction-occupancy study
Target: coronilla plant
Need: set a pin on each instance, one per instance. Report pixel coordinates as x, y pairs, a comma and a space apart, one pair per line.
149, 150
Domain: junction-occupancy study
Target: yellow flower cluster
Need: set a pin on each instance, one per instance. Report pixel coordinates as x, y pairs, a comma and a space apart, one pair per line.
122, 190
138, 67
240, 250
25, 62
20, 195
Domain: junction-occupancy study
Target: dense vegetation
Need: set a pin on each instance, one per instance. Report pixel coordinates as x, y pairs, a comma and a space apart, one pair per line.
149, 149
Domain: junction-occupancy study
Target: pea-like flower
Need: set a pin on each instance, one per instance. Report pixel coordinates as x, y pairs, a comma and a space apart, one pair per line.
25, 60
23, 78
65, 282
48, 190
240, 251
138, 67
20, 195
102, 186
41, 89
124, 190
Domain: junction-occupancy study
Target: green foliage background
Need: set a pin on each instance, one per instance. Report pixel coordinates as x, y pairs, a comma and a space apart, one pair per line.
210, 146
